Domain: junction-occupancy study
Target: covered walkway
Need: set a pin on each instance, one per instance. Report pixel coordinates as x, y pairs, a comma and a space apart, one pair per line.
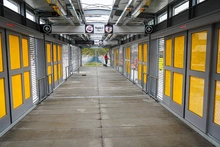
101, 109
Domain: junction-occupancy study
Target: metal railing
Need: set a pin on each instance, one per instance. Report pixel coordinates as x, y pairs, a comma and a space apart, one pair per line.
69, 70
150, 79
39, 88
48, 85
142, 81
45, 84
133, 70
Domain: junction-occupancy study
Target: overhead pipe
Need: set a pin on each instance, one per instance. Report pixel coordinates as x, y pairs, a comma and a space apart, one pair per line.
137, 11
73, 12
112, 13
81, 11
124, 13
112, 37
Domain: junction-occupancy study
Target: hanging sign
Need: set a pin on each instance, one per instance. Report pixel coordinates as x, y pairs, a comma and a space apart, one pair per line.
109, 29
89, 28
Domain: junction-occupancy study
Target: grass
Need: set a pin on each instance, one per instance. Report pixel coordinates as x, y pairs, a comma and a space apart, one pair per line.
93, 64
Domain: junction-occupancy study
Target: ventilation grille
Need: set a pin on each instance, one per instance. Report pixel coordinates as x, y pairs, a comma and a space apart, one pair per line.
33, 70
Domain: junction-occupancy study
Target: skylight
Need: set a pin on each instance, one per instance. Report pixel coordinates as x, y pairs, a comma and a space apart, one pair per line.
97, 4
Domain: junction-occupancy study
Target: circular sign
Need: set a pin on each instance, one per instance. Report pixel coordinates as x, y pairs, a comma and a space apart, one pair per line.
47, 28
108, 29
148, 29
89, 28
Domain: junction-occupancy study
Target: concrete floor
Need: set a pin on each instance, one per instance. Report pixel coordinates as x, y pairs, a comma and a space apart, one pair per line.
102, 109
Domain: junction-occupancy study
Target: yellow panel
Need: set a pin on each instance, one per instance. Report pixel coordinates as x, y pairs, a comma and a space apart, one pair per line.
145, 71
140, 52
218, 63
179, 51
129, 70
54, 53
55, 73
2, 99
177, 88
59, 53
198, 51
145, 53
48, 53
49, 71
27, 85
139, 71
1, 57
25, 50
14, 47
217, 104
59, 71
117, 57
196, 95
167, 83
128, 53
168, 52
16, 90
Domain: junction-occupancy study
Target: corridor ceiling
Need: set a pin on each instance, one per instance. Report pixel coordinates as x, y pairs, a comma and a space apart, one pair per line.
81, 12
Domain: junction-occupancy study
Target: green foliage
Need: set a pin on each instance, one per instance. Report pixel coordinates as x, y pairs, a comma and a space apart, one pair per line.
93, 52
93, 64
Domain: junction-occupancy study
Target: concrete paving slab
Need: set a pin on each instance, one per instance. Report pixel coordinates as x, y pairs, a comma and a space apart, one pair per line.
64, 117
58, 124
89, 142
158, 141
101, 109
27, 143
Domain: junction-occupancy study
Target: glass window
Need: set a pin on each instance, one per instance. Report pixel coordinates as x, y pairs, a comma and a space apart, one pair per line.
217, 104
30, 16
167, 83
196, 95
168, 52
11, 5
97, 5
179, 51
181, 7
42, 21
198, 51
199, 1
162, 17
151, 22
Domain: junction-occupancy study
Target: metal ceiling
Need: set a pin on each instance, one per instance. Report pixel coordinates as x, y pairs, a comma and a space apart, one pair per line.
123, 12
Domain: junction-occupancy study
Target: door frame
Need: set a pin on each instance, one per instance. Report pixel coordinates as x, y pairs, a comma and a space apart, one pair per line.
5, 121
213, 128
199, 122
179, 109
27, 103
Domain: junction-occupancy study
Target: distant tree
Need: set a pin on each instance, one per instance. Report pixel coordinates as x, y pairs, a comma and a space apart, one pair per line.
94, 52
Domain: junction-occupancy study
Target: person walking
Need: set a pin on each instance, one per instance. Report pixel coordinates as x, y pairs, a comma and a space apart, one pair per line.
106, 59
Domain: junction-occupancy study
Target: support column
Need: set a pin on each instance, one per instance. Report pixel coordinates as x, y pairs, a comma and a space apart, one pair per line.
1, 8
23, 13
